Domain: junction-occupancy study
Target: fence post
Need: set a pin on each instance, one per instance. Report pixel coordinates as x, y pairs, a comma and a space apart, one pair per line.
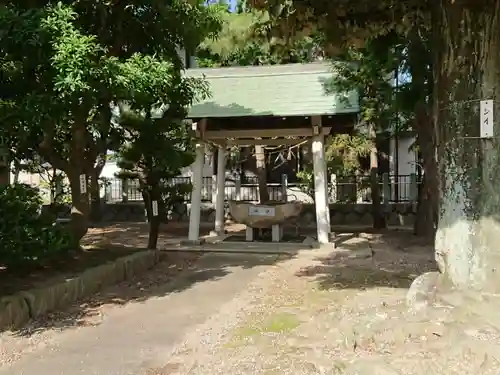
284, 187
333, 190
237, 188
359, 186
386, 191
125, 190
413, 191
107, 192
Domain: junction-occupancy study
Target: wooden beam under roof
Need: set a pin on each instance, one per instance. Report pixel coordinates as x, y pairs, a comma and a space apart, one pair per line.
263, 142
262, 133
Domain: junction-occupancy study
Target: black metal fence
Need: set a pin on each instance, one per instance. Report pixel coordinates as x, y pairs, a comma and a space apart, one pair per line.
355, 188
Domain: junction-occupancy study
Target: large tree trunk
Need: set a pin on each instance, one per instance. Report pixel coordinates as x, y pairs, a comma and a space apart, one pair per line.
80, 206
154, 221
378, 217
4, 170
422, 82
466, 71
260, 161
95, 193
4, 175
428, 203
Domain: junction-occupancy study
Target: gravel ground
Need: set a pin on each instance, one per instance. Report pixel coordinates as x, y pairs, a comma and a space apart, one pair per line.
322, 312
344, 313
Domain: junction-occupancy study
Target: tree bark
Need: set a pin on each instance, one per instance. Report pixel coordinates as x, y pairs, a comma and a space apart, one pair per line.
4, 169
260, 161
466, 63
154, 221
428, 203
95, 193
421, 84
4, 175
80, 205
378, 217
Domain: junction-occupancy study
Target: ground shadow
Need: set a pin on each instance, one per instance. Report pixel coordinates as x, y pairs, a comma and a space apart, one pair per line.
361, 261
136, 234
177, 272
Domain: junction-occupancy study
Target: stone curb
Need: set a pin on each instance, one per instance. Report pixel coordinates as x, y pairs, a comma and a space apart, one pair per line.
18, 309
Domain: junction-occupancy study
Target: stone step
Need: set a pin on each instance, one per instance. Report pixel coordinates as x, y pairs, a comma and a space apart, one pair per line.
247, 247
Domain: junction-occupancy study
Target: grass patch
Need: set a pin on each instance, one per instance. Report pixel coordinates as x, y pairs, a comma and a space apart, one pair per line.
276, 324
281, 323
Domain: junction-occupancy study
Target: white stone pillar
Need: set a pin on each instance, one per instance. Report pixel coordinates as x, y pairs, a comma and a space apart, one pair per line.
237, 188
197, 181
213, 189
284, 188
221, 186
320, 188
327, 196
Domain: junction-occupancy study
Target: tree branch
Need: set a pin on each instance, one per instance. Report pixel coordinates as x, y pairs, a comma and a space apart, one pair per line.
46, 150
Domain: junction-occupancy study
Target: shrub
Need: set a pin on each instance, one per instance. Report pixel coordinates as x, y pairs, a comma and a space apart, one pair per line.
28, 237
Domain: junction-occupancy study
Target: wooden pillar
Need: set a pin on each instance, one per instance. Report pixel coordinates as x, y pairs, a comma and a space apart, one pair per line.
220, 191
320, 182
197, 181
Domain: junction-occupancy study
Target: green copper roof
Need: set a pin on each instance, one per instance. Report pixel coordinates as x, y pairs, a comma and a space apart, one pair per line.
276, 90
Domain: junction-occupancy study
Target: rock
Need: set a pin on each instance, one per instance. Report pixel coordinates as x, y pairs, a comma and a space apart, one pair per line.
49, 298
138, 263
94, 279
423, 290
14, 312
266, 215
363, 253
309, 241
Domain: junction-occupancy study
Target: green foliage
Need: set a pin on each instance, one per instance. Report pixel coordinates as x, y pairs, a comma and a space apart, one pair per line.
154, 157
158, 142
370, 71
343, 153
52, 181
243, 42
66, 66
28, 238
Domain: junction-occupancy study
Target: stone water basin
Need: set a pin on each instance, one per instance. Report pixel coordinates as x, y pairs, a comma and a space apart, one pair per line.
256, 215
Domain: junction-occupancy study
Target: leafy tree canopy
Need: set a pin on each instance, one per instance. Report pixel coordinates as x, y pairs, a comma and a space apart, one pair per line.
68, 65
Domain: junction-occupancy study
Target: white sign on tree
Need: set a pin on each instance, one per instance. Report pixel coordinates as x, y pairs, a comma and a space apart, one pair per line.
487, 119
83, 184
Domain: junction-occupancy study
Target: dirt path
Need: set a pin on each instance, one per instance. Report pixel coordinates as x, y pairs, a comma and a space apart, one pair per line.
321, 312
131, 327
343, 313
